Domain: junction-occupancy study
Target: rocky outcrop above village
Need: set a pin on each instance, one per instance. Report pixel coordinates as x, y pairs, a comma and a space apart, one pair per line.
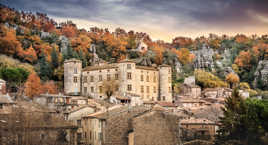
204, 58
261, 72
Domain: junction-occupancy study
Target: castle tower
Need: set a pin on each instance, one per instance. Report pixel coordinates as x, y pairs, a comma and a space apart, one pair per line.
128, 78
165, 90
72, 76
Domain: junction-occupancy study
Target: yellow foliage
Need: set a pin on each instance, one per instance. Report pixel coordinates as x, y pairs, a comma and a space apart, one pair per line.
208, 80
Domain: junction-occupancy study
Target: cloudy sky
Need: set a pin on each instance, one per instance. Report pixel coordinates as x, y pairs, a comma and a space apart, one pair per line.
162, 19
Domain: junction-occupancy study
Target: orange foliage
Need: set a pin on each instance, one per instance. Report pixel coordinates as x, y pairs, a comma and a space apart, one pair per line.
69, 31
182, 42
158, 50
261, 49
232, 78
82, 42
9, 44
49, 87
241, 39
243, 59
29, 55
184, 55
33, 85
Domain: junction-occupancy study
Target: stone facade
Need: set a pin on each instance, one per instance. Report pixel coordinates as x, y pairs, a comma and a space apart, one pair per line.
72, 76
155, 128
200, 127
131, 126
150, 83
2, 87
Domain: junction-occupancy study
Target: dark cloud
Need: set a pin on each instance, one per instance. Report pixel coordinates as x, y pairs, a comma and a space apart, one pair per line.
161, 15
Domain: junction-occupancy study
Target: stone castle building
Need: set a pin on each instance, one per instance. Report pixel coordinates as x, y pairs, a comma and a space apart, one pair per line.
150, 83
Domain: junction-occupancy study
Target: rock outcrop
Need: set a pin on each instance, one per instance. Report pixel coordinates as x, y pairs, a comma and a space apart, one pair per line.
204, 58
261, 73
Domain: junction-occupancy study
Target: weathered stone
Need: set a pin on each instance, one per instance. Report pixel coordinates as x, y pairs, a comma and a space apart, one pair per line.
204, 58
262, 72
64, 43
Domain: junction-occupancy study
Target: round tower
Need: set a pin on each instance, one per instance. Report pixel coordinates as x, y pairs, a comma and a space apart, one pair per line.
165, 90
72, 76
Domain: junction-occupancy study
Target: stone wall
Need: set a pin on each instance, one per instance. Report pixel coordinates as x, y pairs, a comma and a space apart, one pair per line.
156, 128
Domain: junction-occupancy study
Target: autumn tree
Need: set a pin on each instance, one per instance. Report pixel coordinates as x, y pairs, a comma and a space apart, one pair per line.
49, 87
232, 79
208, 80
110, 87
33, 85
184, 56
9, 44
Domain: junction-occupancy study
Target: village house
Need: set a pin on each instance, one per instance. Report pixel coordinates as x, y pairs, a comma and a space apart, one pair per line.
190, 103
75, 116
125, 125
6, 104
200, 127
2, 87
150, 83
59, 102
190, 91
32, 123
216, 93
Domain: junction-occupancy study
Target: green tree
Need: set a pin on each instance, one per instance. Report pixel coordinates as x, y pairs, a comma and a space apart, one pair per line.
45, 70
54, 59
15, 77
244, 121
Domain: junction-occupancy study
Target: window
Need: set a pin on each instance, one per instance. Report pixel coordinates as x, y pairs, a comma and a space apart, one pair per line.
116, 76
79, 136
108, 70
1, 106
141, 77
128, 66
148, 89
147, 78
90, 135
129, 87
75, 70
75, 79
92, 89
169, 79
129, 76
79, 123
108, 77
116, 88
164, 98
169, 71
100, 77
85, 90
142, 89
100, 89
91, 78
154, 79
154, 89
85, 79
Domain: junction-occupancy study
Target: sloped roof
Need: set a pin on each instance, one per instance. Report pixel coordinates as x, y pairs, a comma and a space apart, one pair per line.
100, 67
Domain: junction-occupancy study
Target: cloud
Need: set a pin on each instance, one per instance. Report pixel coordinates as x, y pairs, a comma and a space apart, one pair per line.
161, 18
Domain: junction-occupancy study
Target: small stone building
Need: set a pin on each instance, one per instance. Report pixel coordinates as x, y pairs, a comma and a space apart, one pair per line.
137, 125
199, 127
